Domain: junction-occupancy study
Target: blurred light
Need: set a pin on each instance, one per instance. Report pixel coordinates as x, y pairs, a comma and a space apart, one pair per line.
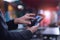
40, 12
47, 18
10, 8
20, 7
47, 13
10, 0
57, 7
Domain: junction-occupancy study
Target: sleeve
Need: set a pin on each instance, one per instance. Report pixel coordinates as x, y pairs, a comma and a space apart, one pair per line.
12, 25
23, 35
7, 35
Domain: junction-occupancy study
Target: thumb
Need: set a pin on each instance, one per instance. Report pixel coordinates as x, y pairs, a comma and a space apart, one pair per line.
37, 25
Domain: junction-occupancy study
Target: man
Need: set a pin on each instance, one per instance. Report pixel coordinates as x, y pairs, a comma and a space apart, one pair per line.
23, 35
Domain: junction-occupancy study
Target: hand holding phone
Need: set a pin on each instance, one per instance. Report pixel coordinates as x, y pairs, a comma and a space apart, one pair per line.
36, 21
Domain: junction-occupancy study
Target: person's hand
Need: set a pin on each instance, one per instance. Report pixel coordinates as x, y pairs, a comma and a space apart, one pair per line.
33, 28
25, 19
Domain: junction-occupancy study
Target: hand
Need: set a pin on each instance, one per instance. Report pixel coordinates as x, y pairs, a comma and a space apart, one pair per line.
24, 19
33, 28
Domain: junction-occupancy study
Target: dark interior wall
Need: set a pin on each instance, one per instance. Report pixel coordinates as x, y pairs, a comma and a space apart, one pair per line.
40, 3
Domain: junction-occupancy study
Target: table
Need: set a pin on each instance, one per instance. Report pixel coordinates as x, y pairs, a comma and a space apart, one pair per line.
51, 33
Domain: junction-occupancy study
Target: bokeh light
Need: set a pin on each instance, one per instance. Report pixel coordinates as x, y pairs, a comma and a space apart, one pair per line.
47, 13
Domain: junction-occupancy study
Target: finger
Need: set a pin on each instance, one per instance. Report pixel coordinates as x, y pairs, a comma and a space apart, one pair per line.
30, 14
37, 25
31, 18
27, 22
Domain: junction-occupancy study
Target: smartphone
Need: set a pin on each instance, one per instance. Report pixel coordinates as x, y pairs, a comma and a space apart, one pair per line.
36, 21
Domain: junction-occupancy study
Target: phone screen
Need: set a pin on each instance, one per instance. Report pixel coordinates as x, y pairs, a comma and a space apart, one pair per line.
36, 21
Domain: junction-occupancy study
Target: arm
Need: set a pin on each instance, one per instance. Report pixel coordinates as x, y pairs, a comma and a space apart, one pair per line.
12, 25
23, 35
6, 35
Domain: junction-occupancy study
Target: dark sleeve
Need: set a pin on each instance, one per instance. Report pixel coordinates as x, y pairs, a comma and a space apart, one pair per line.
12, 25
7, 35
23, 35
